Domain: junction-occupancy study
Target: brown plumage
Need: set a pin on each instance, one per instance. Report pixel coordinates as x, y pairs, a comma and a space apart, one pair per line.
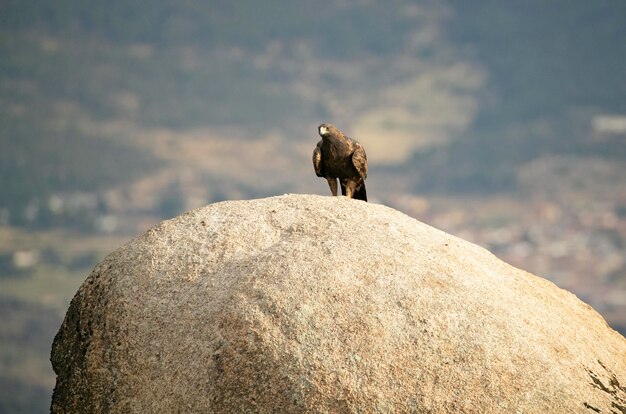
340, 157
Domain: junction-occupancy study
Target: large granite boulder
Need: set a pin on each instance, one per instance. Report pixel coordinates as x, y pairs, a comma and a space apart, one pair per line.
304, 303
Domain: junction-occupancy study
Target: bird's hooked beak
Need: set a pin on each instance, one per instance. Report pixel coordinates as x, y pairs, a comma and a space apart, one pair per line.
323, 130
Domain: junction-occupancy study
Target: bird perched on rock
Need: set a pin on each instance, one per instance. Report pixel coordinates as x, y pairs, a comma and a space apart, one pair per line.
340, 157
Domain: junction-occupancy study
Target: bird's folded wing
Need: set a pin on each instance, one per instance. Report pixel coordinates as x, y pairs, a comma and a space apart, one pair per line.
359, 160
317, 162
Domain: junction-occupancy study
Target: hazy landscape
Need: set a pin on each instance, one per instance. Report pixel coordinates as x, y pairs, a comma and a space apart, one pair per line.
501, 123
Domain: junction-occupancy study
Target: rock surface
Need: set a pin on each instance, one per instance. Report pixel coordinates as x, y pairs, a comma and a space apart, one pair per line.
305, 303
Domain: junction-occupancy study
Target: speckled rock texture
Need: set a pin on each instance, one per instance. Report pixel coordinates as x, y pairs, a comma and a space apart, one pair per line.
310, 304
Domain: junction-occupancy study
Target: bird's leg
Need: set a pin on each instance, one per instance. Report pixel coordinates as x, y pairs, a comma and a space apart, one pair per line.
347, 188
349, 191
332, 183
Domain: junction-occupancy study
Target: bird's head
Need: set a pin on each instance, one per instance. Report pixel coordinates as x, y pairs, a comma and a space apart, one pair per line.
325, 129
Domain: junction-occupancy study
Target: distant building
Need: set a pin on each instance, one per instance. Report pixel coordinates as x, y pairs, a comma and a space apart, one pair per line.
25, 258
609, 124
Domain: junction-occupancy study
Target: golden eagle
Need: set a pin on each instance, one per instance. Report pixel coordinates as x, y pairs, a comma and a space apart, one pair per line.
340, 157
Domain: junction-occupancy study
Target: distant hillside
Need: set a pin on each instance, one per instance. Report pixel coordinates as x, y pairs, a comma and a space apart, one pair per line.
38, 160
79, 83
552, 67
470, 92
188, 64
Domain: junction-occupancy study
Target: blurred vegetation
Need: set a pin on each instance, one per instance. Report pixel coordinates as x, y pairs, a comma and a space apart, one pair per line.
69, 65
36, 162
26, 333
33, 300
342, 31
552, 66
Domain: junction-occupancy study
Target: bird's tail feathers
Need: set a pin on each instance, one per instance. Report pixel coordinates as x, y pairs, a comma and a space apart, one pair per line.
360, 194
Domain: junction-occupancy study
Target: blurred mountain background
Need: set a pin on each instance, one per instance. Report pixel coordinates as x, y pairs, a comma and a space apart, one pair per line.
501, 122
